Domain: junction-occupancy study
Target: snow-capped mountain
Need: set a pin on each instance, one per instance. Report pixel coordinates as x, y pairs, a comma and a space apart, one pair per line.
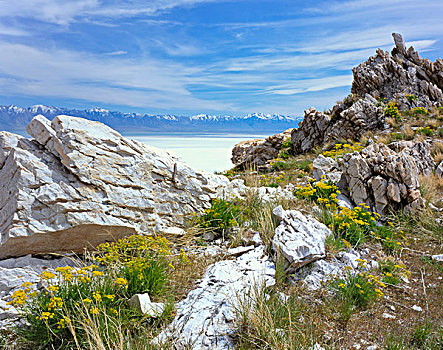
13, 118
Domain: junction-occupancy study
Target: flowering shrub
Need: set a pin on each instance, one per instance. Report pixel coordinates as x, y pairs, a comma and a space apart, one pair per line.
143, 261
222, 216
286, 147
340, 149
358, 290
420, 110
353, 225
411, 98
67, 292
391, 111
322, 192
276, 179
72, 297
428, 130
393, 272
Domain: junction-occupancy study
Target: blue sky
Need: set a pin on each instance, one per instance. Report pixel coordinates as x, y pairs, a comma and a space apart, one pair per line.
200, 56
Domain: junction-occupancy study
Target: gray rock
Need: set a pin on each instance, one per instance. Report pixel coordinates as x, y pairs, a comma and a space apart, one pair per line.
258, 152
439, 170
394, 77
381, 76
278, 213
326, 167
299, 239
310, 131
383, 178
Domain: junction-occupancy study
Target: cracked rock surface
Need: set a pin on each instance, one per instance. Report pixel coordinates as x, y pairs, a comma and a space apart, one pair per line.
205, 318
300, 239
384, 178
79, 183
387, 76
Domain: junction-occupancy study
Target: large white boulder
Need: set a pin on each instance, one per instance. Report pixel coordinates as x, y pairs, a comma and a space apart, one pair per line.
79, 183
299, 239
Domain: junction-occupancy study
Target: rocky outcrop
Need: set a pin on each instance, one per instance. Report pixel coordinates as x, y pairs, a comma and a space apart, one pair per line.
258, 152
341, 122
310, 131
383, 178
299, 239
352, 122
205, 319
419, 151
79, 183
404, 77
402, 73
326, 167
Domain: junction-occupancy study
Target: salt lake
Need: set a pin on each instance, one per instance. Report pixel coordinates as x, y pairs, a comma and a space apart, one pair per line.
209, 152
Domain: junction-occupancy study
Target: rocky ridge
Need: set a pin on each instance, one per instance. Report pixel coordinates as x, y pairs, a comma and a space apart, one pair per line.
402, 77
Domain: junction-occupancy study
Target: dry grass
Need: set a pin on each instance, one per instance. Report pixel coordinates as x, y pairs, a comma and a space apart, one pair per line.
408, 132
437, 151
431, 187
391, 122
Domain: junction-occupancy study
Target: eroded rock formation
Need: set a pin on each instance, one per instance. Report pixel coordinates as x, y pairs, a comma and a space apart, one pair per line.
402, 77
384, 178
258, 152
205, 319
402, 73
79, 183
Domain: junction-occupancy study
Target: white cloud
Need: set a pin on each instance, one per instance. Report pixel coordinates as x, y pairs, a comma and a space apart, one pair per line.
115, 80
116, 53
10, 31
311, 85
67, 11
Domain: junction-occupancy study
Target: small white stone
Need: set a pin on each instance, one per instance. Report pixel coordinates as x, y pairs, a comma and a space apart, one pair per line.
438, 257
174, 231
417, 308
386, 315
143, 304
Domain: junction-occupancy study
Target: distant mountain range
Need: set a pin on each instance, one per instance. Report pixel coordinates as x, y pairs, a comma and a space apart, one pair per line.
15, 119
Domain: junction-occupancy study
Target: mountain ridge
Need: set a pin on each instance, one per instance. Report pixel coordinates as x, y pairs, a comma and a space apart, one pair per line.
15, 118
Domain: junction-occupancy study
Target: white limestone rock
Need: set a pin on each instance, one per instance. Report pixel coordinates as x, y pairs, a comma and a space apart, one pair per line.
143, 304
300, 239
80, 183
205, 318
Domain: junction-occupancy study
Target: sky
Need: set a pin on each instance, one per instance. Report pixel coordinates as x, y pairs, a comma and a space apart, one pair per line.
188, 57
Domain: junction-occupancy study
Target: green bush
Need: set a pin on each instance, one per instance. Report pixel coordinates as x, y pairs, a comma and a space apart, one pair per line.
420, 110
323, 192
222, 216
357, 291
352, 225
391, 111
411, 98
73, 300
392, 272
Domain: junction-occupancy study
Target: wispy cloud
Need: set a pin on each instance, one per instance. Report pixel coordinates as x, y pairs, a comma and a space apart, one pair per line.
61, 73
116, 53
201, 55
67, 11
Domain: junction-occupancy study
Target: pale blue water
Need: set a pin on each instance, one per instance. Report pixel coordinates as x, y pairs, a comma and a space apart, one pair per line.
209, 152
